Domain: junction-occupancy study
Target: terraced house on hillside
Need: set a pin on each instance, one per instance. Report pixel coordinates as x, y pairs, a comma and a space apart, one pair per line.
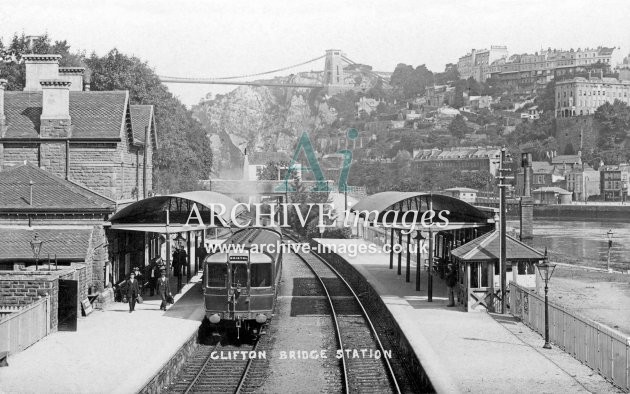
95, 138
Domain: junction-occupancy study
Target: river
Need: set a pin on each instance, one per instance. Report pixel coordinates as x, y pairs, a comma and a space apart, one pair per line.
581, 242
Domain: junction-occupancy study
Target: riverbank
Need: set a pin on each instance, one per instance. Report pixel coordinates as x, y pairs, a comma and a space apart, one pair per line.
600, 296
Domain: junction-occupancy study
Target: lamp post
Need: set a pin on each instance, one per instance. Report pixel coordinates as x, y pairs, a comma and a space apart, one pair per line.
418, 237
36, 246
546, 270
609, 235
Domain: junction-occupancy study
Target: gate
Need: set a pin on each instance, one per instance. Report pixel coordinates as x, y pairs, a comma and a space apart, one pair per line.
68, 301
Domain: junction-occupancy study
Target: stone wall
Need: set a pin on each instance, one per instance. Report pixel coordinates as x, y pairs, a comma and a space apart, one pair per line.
15, 154
53, 157
96, 259
579, 132
110, 169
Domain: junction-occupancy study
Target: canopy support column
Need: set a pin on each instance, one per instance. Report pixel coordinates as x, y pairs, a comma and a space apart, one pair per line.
400, 252
418, 265
391, 250
408, 273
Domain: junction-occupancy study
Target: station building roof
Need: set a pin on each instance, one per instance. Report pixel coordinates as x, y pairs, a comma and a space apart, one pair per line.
459, 211
149, 214
63, 243
50, 193
486, 248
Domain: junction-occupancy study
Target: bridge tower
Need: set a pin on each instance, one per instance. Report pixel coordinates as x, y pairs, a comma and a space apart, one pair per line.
333, 71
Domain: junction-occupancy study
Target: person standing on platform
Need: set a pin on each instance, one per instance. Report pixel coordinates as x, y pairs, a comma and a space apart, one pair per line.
163, 289
451, 282
154, 274
133, 290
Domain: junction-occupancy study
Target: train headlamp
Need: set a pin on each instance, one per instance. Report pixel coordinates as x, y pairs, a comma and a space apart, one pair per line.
260, 318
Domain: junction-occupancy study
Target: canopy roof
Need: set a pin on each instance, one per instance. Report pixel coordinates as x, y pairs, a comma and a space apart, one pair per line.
459, 211
149, 214
486, 248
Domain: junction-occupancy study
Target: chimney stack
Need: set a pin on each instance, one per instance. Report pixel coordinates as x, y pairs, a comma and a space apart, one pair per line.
74, 75
55, 99
3, 83
40, 67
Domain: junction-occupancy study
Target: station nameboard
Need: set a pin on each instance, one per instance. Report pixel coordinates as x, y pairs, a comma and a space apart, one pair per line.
239, 258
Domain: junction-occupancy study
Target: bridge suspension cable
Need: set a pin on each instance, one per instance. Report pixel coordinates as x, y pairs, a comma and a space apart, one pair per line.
245, 75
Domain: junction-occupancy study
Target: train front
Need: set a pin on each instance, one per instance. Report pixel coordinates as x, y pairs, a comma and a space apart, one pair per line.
241, 280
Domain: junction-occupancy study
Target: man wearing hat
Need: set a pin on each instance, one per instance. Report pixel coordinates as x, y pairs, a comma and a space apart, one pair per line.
133, 290
163, 289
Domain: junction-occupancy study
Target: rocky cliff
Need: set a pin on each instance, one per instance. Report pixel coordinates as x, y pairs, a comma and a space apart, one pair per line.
265, 118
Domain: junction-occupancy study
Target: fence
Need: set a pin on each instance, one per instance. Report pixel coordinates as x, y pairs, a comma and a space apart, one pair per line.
23, 328
601, 348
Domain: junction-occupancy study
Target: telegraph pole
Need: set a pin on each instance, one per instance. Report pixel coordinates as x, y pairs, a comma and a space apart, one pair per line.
502, 230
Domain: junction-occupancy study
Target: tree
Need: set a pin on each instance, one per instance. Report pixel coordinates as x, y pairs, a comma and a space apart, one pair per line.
546, 101
450, 74
272, 171
12, 68
458, 127
184, 156
306, 226
615, 121
410, 82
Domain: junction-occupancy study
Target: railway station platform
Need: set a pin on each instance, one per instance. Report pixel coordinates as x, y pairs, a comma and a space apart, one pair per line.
469, 351
112, 351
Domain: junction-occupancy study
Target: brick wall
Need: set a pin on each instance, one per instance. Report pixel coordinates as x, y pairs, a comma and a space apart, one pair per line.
21, 288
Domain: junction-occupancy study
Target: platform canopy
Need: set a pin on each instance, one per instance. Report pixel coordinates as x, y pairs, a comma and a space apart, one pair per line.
176, 211
378, 207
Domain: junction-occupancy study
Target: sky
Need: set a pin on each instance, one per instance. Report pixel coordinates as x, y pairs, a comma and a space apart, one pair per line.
223, 38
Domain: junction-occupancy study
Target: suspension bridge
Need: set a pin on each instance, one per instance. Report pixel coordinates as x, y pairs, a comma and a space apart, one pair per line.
333, 74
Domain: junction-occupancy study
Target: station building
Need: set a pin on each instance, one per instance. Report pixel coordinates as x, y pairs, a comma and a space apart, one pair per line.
69, 157
95, 138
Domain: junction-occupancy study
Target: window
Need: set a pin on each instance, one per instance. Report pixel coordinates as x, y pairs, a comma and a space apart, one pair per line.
261, 275
216, 275
239, 274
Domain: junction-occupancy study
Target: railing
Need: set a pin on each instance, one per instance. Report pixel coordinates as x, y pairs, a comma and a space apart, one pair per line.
598, 346
23, 328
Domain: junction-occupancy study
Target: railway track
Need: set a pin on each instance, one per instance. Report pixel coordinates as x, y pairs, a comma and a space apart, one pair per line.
203, 374
354, 331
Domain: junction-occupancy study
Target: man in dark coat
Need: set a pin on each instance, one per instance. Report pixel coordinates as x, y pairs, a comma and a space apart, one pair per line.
451, 282
154, 274
133, 290
163, 289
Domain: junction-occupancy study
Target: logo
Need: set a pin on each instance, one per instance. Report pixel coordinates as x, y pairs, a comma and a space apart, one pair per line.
321, 184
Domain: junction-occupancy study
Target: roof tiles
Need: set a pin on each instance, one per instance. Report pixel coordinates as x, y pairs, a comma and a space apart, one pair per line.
94, 115
486, 248
49, 192
67, 244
